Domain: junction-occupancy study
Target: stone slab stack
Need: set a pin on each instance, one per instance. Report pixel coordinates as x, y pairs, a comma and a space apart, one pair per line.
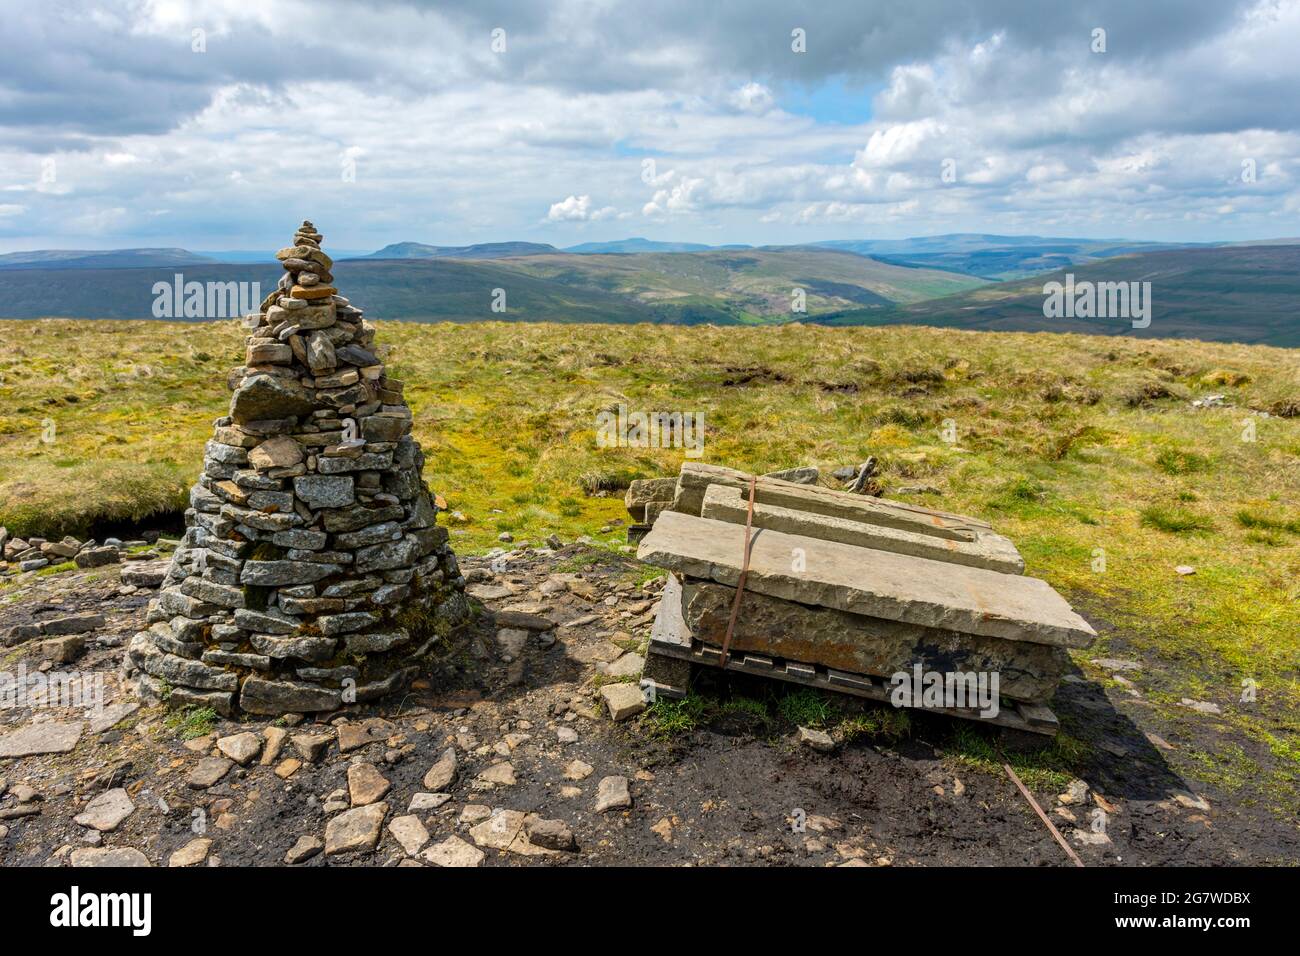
845, 591
312, 573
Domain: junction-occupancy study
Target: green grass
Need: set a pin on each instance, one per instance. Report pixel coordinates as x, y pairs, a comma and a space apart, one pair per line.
1174, 520
881, 723
191, 722
1173, 461
1049, 446
1255, 520
808, 707
673, 719
1049, 769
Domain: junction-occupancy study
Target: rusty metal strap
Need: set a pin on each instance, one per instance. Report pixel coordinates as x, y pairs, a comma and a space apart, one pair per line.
744, 573
1024, 792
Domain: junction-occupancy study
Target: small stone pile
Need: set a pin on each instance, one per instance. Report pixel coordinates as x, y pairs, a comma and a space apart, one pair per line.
312, 573
18, 555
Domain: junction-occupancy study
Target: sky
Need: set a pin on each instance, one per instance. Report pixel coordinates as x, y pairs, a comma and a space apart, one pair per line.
221, 124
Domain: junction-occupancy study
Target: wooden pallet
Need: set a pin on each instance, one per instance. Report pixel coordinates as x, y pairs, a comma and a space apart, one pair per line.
1013, 715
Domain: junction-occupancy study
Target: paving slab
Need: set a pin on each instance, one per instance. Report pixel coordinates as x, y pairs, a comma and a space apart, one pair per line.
696, 477
51, 737
873, 583
984, 550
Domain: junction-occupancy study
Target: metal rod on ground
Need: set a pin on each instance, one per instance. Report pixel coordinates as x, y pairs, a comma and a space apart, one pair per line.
744, 573
1042, 816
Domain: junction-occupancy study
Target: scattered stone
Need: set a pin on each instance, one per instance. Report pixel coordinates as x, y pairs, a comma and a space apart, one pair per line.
356, 829
623, 700
208, 772
409, 832
97, 557
612, 794
1201, 706
577, 770
442, 773
428, 801
241, 748
1192, 802
112, 715
311, 746
106, 811
1075, 793
454, 851
664, 828
304, 849
366, 785
629, 665
353, 736
498, 831
191, 854
511, 641
275, 739
499, 775
1116, 664
1090, 837
550, 834
818, 740
108, 856
51, 737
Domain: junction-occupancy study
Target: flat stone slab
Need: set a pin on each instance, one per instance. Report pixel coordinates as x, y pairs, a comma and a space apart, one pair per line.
848, 642
986, 550
116, 856
452, 852
894, 587
106, 811
696, 477
111, 716
356, 829
51, 737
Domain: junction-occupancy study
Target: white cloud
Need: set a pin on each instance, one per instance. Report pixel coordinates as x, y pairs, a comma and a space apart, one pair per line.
454, 144
578, 209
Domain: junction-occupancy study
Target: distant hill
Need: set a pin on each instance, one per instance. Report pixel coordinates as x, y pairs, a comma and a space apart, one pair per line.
482, 250
993, 256
100, 259
1239, 293
618, 246
750, 285
688, 288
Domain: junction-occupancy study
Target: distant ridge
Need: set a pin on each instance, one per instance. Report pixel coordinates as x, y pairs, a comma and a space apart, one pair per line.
482, 250
1238, 293
619, 246
101, 259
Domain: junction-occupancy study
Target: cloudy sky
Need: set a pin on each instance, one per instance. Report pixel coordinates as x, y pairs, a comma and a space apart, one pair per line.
219, 124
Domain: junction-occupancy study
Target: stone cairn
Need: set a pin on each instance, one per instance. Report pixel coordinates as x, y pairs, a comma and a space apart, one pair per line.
312, 573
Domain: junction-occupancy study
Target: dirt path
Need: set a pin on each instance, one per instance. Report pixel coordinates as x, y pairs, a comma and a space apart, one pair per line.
522, 704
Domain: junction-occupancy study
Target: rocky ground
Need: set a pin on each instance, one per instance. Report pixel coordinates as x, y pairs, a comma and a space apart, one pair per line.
504, 754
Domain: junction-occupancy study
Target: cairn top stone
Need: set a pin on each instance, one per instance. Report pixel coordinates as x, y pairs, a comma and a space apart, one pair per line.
312, 573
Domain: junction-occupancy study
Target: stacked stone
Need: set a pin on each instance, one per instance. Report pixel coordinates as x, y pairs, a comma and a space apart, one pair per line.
312, 573
843, 591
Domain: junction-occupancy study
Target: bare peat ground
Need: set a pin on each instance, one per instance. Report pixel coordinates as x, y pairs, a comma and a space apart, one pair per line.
734, 791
